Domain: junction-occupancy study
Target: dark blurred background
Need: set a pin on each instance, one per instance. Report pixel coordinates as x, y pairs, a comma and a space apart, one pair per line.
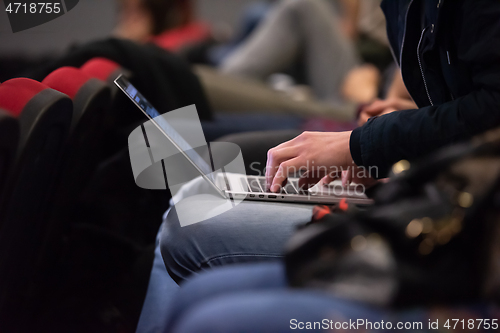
89, 20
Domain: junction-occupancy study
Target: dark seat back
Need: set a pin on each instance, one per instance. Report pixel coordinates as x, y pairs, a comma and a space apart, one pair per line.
9, 137
45, 117
91, 101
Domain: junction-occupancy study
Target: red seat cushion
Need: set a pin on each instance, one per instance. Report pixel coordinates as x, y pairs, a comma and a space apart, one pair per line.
100, 68
16, 93
67, 80
175, 39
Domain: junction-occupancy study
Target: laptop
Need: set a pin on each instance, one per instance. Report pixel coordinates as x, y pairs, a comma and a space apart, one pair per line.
239, 186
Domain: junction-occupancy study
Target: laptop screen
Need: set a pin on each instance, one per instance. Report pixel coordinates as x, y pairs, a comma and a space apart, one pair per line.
170, 132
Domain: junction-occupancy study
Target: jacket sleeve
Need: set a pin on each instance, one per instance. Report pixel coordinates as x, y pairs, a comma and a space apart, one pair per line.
410, 134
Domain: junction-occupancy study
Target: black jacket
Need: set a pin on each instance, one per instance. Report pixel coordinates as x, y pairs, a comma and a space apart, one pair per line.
449, 54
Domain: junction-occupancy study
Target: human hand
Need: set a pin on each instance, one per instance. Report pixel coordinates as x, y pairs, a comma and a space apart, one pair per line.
354, 174
381, 107
318, 153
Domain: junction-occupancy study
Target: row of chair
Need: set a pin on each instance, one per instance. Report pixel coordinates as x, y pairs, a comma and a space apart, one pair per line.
50, 132
76, 233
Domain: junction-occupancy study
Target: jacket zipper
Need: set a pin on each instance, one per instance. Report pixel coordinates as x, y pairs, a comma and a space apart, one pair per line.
404, 36
403, 42
421, 69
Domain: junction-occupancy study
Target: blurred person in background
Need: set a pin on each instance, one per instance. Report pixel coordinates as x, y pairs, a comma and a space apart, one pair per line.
170, 24
322, 43
337, 47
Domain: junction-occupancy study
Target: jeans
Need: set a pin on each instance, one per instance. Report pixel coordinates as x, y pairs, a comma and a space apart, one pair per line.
249, 232
252, 17
251, 298
158, 301
293, 30
255, 298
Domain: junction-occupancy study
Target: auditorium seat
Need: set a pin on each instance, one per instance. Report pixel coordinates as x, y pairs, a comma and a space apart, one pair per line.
91, 116
91, 102
90, 96
103, 69
9, 137
45, 117
120, 110
99, 251
107, 71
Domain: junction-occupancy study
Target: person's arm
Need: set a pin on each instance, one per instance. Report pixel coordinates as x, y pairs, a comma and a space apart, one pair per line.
398, 88
411, 134
397, 99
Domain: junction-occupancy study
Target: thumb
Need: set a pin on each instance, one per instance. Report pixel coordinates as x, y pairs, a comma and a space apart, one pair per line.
346, 178
375, 105
330, 178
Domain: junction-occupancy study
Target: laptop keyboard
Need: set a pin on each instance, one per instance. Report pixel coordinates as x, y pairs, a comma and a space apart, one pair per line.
254, 184
258, 185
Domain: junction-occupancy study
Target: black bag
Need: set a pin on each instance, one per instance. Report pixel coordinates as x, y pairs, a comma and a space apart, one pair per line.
432, 236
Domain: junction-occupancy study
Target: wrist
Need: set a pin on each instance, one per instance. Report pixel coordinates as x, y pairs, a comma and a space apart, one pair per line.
355, 146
